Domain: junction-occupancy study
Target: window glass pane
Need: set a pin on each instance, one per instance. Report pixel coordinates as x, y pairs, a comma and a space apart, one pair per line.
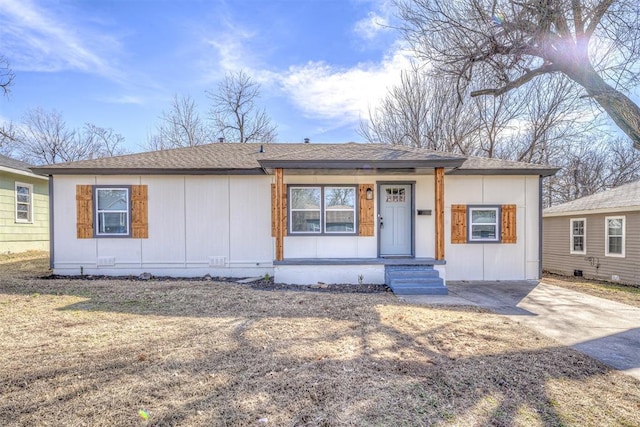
578, 228
340, 221
615, 227
483, 216
305, 198
22, 207
305, 221
479, 232
112, 222
578, 243
112, 200
23, 198
339, 198
23, 190
23, 215
615, 245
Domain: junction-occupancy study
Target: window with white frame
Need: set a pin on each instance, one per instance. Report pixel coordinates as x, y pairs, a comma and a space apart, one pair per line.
484, 223
112, 211
322, 209
578, 236
24, 202
614, 236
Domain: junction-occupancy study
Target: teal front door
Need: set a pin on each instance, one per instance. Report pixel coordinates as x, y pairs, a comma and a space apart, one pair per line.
395, 218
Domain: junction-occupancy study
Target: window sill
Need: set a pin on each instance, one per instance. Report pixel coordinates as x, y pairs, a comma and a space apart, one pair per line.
615, 255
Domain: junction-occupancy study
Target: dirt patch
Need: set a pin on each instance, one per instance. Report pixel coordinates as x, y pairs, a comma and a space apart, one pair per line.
193, 353
626, 294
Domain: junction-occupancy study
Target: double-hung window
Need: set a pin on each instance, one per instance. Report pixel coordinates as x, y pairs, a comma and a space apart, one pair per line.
24, 202
327, 209
578, 236
112, 211
614, 236
484, 223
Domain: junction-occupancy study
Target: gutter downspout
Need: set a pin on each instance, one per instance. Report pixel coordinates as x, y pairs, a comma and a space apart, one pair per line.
51, 233
540, 178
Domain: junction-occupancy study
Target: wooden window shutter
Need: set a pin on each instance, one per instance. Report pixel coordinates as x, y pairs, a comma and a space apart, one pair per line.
458, 223
84, 211
366, 220
274, 206
508, 234
139, 212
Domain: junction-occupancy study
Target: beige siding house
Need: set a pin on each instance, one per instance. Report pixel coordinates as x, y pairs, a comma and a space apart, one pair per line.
597, 236
24, 208
301, 213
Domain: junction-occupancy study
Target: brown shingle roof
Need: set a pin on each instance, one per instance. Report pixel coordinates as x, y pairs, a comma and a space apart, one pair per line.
623, 197
249, 158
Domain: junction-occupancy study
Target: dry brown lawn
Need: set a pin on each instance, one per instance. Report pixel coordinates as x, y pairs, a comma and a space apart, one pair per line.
96, 353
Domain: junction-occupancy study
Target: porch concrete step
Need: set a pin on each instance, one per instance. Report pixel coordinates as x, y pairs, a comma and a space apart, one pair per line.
440, 290
414, 280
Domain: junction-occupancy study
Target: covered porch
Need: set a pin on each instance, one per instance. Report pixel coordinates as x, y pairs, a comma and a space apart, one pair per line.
421, 271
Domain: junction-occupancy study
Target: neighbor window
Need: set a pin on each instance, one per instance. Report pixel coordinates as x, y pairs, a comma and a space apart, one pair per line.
24, 202
322, 210
614, 236
484, 223
578, 236
112, 211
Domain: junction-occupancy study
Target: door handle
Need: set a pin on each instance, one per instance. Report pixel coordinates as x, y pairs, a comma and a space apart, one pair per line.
380, 221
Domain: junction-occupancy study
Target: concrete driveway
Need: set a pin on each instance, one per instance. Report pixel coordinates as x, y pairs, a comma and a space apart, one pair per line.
605, 330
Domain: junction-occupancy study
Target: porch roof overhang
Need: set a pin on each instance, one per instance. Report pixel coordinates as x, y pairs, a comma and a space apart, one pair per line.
359, 167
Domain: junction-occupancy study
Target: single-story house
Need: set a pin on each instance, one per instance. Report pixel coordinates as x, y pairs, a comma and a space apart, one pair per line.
596, 236
24, 208
301, 213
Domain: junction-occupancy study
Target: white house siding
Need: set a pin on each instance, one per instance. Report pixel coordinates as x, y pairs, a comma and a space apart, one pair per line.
197, 225
221, 225
494, 261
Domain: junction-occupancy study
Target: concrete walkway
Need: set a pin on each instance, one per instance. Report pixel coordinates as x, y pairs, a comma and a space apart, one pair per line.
605, 330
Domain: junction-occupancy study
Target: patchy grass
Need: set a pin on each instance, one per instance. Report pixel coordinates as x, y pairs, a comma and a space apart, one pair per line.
203, 353
626, 294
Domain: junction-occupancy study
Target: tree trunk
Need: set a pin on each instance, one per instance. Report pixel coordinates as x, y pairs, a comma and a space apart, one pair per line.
624, 112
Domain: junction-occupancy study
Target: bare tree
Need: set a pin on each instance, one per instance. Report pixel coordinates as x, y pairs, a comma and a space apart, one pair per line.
45, 138
8, 138
421, 111
526, 125
181, 126
7, 131
588, 168
6, 75
103, 142
504, 44
235, 113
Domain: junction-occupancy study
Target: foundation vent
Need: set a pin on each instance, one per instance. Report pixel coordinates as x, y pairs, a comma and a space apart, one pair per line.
106, 261
217, 261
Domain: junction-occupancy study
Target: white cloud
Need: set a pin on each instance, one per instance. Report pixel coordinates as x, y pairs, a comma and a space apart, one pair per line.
371, 26
342, 95
125, 99
35, 39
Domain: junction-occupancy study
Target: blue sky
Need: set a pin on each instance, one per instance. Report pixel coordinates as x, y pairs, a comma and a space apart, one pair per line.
117, 64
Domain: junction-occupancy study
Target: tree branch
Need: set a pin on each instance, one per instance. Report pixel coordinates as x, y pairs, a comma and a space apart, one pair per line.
525, 78
598, 13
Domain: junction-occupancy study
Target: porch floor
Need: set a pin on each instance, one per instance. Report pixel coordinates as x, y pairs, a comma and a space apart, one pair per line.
360, 261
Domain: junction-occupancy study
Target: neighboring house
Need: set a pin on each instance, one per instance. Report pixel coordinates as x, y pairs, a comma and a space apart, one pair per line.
597, 236
24, 208
302, 213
